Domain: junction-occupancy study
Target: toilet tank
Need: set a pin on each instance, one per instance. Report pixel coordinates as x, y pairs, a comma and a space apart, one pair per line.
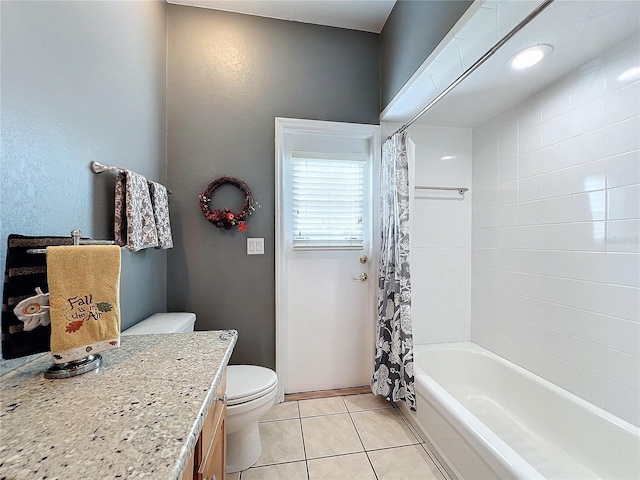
175, 322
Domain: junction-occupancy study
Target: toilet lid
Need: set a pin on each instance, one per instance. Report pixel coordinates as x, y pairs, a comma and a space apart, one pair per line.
247, 382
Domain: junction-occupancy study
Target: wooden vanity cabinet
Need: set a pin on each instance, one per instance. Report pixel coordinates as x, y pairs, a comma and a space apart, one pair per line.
209, 458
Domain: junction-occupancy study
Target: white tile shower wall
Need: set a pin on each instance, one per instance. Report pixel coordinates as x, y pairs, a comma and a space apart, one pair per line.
441, 236
556, 233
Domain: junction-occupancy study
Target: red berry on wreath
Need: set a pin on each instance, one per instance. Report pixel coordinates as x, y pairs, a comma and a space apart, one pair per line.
242, 227
229, 216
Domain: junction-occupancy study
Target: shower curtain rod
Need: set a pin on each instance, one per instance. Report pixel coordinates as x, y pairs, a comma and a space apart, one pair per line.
477, 64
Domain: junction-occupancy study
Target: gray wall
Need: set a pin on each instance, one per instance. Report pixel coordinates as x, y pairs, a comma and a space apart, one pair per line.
412, 31
229, 75
82, 81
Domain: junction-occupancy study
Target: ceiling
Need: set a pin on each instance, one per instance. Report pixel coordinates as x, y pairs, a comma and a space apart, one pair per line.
579, 31
365, 15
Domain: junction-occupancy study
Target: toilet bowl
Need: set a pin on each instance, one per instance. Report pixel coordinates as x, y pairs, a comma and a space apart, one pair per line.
251, 392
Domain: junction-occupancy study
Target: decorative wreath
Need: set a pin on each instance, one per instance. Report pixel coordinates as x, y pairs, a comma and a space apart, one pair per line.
224, 217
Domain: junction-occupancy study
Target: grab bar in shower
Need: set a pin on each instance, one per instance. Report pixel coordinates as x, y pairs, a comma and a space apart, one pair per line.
460, 190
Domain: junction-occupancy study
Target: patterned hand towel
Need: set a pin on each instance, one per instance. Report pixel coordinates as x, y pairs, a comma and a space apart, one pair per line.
25, 306
84, 298
135, 226
160, 202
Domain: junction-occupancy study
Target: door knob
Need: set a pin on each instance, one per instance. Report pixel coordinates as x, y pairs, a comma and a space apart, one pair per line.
364, 259
362, 277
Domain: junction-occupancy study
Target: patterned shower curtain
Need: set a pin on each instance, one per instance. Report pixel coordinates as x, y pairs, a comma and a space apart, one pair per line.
393, 374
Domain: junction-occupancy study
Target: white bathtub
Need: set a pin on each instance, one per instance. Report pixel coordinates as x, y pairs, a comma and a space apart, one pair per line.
488, 418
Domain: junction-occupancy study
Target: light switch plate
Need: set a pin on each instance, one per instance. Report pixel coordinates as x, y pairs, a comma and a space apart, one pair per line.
255, 246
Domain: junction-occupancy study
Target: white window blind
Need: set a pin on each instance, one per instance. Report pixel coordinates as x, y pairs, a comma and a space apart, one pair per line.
328, 196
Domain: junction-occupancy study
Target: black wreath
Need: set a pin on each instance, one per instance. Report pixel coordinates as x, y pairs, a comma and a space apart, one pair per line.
225, 218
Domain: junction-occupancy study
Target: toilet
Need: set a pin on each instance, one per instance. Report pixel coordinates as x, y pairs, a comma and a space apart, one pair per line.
251, 392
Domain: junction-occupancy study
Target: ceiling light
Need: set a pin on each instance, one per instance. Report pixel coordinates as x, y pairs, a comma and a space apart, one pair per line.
629, 75
529, 56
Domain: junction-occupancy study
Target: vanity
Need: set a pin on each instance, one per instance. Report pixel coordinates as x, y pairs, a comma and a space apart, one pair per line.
155, 409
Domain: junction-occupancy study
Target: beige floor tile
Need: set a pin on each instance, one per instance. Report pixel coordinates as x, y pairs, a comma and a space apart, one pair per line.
233, 476
404, 463
282, 411
382, 428
322, 406
366, 401
330, 435
283, 471
343, 467
281, 442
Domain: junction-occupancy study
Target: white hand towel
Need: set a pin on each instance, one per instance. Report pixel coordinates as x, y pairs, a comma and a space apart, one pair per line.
160, 202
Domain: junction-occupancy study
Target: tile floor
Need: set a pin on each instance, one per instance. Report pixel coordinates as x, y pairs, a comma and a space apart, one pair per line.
355, 437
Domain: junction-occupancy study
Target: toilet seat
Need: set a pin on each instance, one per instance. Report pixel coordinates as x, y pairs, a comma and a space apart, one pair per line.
248, 382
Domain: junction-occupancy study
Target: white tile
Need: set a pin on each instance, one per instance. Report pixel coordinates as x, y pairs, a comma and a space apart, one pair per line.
530, 164
508, 259
623, 103
556, 263
617, 66
508, 140
530, 236
556, 129
490, 176
508, 193
588, 236
587, 207
557, 156
529, 113
509, 170
623, 236
347, 467
530, 261
555, 101
509, 215
281, 442
556, 183
623, 169
588, 117
623, 402
588, 87
589, 176
588, 147
589, 266
591, 387
508, 237
623, 203
622, 137
404, 463
624, 369
321, 406
590, 296
530, 213
557, 209
530, 188
556, 236
623, 269
529, 139
611, 332
283, 471
330, 435
623, 302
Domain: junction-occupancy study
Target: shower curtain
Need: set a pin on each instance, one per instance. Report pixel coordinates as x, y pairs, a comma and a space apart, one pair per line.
393, 372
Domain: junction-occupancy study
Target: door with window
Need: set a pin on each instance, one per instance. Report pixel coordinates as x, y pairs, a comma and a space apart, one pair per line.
326, 279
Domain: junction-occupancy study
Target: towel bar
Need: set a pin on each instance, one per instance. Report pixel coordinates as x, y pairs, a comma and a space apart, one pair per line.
98, 167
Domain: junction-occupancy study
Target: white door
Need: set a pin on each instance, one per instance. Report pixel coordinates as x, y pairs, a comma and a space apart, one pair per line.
326, 277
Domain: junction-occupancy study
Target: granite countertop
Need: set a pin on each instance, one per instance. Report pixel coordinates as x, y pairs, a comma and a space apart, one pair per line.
139, 416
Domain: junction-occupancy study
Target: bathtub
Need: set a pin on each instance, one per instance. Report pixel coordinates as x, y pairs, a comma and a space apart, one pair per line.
488, 418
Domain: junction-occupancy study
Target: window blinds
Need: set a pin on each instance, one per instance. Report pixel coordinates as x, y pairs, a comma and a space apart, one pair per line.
328, 196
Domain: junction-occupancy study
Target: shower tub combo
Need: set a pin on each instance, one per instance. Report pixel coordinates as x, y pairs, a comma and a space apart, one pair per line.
488, 418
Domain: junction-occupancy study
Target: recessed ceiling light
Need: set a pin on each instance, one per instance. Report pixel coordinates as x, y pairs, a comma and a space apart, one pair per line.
529, 56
